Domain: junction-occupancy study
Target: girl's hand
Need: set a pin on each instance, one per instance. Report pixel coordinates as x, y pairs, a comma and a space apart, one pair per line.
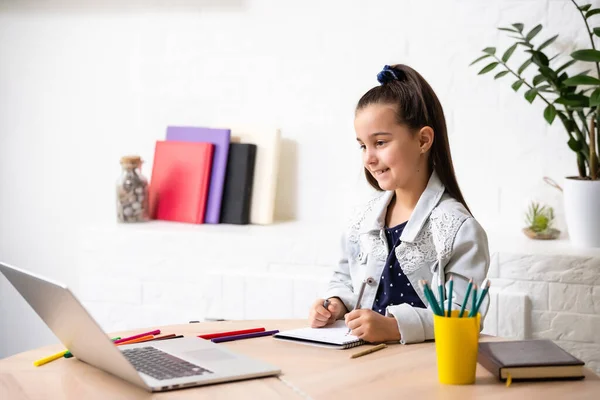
372, 326
319, 316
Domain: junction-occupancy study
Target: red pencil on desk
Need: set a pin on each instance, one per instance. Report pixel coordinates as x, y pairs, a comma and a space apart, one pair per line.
209, 336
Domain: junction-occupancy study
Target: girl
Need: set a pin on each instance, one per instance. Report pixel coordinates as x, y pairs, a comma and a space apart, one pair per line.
418, 227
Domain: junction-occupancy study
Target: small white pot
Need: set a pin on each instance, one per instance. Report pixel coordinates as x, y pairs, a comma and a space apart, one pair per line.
582, 211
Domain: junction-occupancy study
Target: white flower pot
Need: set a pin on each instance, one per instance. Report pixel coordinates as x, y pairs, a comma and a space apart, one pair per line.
582, 211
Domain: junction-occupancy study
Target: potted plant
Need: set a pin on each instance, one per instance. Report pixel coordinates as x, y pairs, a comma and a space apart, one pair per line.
539, 219
575, 100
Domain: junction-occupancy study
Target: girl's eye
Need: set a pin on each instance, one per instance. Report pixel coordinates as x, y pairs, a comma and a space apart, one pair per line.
379, 143
362, 147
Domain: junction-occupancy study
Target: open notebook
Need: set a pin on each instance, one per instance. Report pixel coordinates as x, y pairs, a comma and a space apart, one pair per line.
332, 336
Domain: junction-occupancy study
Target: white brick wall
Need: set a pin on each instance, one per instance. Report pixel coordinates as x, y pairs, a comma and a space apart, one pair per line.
194, 272
173, 273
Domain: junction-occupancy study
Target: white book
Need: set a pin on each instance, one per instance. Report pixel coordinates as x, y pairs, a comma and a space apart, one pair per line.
333, 336
266, 168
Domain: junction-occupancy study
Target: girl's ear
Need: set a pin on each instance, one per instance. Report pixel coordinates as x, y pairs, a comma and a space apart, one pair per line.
425, 138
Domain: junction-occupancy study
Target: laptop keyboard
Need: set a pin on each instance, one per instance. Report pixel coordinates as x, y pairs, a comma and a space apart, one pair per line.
161, 365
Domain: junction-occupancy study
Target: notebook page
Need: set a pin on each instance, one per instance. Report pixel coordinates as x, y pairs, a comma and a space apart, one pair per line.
335, 333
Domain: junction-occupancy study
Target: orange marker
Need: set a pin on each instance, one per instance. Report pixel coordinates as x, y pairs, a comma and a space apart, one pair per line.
137, 340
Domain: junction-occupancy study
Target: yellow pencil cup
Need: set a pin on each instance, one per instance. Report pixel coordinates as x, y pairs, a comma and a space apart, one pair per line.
456, 342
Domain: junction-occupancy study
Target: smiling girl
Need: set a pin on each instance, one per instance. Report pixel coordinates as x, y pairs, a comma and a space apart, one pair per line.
417, 227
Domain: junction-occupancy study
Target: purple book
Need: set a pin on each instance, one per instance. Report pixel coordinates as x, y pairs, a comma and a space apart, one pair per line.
220, 138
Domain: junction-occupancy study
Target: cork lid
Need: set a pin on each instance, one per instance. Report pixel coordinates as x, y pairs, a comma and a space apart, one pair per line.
131, 161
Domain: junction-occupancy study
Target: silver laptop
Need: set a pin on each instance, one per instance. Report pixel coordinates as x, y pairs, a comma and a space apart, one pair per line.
155, 366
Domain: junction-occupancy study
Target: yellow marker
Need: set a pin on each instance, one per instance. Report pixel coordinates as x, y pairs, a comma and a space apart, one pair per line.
369, 351
49, 358
508, 380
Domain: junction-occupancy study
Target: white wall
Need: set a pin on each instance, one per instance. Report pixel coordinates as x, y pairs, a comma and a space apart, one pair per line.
83, 82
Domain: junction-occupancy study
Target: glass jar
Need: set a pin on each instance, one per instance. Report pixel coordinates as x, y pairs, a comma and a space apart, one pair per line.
132, 191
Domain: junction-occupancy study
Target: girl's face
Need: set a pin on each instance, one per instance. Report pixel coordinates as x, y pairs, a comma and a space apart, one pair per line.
391, 152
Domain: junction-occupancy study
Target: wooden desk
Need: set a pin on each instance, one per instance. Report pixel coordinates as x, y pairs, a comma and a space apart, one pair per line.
395, 372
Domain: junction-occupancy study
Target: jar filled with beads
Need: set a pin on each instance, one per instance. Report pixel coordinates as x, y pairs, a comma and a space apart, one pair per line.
132, 191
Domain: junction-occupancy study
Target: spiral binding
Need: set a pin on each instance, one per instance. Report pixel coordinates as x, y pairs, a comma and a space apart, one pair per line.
353, 344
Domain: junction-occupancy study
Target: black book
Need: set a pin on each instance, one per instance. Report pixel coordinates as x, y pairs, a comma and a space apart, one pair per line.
237, 192
529, 360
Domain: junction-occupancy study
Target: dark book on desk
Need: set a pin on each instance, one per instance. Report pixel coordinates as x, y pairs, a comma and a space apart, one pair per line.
239, 178
529, 360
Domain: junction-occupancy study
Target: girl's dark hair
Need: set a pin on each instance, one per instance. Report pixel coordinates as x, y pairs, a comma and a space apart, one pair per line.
417, 106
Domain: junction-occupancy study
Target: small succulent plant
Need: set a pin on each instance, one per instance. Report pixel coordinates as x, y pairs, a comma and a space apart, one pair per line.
539, 218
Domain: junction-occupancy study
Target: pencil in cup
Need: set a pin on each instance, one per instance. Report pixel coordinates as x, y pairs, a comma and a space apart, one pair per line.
435, 307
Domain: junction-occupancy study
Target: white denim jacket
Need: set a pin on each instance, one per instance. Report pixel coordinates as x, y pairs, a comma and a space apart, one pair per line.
440, 240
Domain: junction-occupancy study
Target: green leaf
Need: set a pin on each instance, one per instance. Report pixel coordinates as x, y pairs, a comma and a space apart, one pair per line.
585, 7
547, 43
500, 74
581, 80
575, 145
479, 59
539, 58
586, 55
519, 27
549, 74
489, 50
592, 12
550, 113
509, 52
530, 94
488, 68
533, 32
508, 29
517, 85
595, 98
524, 66
574, 100
526, 44
565, 66
597, 31
544, 88
538, 79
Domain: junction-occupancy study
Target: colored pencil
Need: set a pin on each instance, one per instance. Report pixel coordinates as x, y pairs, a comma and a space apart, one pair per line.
154, 332
466, 299
244, 336
209, 336
136, 340
369, 351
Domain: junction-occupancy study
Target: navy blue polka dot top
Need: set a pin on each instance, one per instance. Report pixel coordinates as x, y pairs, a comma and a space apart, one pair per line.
394, 287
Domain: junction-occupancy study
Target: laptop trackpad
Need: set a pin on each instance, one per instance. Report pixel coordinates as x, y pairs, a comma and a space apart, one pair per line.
213, 355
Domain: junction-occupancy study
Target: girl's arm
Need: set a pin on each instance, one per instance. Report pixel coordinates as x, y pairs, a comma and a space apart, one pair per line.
340, 284
469, 259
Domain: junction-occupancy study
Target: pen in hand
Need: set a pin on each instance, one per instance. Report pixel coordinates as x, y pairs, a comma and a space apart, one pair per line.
360, 295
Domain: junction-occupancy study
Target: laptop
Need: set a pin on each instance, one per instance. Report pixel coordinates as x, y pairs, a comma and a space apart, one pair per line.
155, 366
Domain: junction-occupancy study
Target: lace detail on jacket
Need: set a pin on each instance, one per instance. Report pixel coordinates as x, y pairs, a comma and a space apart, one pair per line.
378, 248
359, 216
413, 256
434, 242
445, 226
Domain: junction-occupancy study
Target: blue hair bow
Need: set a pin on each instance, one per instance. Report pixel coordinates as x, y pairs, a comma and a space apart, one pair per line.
388, 74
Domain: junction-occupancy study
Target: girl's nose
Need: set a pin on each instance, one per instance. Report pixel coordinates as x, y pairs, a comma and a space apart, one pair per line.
369, 157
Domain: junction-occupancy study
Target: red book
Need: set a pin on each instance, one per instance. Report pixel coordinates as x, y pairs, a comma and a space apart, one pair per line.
180, 181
